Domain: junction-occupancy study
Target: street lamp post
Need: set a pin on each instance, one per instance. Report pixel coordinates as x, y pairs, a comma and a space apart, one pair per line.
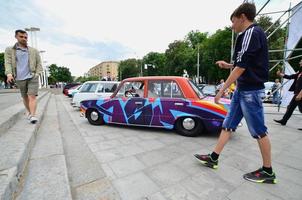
43, 77
197, 64
33, 35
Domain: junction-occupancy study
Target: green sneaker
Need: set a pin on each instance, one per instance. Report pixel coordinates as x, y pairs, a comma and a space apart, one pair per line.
260, 176
207, 161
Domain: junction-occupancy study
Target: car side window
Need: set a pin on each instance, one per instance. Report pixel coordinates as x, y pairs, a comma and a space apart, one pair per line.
131, 89
168, 89
100, 88
110, 87
89, 87
154, 88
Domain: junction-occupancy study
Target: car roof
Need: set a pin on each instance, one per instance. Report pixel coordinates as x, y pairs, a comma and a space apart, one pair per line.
102, 82
182, 81
156, 78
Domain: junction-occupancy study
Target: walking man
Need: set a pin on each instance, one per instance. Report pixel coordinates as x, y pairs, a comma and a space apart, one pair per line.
296, 87
250, 71
23, 65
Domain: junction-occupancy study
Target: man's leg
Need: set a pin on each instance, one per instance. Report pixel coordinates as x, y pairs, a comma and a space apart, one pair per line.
26, 103
289, 111
32, 103
229, 125
265, 149
222, 140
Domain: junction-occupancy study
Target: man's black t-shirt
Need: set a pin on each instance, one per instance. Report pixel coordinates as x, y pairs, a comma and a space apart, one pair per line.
251, 53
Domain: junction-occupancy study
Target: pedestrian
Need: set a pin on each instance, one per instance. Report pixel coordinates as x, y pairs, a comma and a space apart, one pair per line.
250, 71
23, 66
276, 91
296, 87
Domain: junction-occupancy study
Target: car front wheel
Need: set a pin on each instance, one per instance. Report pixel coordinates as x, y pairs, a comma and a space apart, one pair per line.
94, 117
189, 126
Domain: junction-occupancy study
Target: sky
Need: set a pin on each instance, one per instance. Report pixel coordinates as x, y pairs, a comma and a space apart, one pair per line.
82, 34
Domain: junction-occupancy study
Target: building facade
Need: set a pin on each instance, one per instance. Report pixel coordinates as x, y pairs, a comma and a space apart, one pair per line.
103, 68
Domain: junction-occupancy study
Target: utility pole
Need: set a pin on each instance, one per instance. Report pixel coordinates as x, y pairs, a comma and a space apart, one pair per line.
197, 64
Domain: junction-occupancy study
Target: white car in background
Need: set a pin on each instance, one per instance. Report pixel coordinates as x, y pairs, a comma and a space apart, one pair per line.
94, 90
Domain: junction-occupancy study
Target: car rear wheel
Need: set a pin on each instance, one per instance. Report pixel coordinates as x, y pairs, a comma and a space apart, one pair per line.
94, 117
189, 126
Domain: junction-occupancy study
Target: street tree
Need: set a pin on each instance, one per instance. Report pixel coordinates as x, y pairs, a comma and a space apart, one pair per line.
179, 57
59, 74
155, 63
129, 68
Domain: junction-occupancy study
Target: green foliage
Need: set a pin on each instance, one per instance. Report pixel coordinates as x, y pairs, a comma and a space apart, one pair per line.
180, 57
195, 38
216, 47
157, 62
59, 74
129, 68
2, 70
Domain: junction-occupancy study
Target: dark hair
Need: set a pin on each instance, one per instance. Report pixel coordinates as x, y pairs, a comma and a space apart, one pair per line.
20, 31
248, 9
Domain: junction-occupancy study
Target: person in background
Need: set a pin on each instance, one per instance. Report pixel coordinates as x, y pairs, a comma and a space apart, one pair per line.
296, 87
276, 93
251, 72
231, 90
23, 66
108, 77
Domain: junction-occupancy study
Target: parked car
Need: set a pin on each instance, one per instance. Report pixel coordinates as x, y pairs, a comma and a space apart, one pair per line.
73, 90
94, 90
159, 101
268, 91
208, 90
67, 86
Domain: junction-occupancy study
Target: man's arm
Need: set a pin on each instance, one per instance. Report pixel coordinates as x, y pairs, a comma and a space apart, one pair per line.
299, 96
8, 65
224, 65
235, 74
39, 68
292, 76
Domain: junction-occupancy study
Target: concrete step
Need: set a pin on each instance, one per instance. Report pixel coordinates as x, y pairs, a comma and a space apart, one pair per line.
46, 175
88, 180
16, 144
10, 115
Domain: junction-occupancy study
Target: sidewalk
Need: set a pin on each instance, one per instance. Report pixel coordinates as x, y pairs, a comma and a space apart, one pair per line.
155, 164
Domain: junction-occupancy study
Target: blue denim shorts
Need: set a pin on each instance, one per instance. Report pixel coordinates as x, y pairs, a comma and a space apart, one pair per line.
247, 104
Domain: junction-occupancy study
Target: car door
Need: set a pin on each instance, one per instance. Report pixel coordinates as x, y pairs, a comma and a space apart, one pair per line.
169, 104
127, 109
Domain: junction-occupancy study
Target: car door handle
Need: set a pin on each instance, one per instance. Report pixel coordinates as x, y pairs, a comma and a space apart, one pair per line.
138, 103
178, 104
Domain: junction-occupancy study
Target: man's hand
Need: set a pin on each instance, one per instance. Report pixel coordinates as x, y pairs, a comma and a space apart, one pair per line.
224, 65
299, 97
10, 78
279, 73
218, 96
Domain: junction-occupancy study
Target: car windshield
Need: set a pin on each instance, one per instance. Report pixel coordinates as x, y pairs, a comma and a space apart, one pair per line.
196, 90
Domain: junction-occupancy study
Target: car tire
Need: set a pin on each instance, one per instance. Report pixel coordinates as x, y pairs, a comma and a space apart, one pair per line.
189, 126
94, 117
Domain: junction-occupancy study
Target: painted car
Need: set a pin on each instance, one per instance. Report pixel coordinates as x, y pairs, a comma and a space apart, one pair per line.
161, 101
94, 90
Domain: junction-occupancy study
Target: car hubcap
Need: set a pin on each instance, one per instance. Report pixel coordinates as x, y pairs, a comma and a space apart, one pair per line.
94, 115
188, 123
